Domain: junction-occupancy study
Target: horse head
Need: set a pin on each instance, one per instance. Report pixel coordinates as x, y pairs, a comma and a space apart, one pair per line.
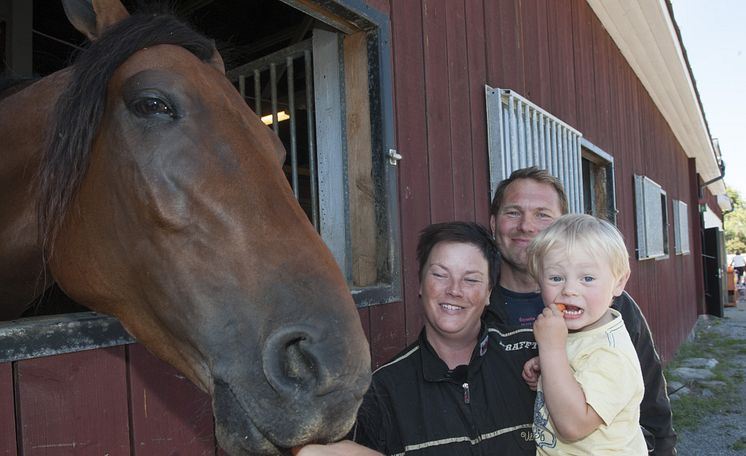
179, 221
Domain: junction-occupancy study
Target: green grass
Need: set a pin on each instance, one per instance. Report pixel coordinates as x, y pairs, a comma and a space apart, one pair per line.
739, 444
689, 410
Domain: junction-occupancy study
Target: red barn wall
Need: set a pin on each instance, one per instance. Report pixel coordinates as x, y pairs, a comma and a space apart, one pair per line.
557, 54
120, 401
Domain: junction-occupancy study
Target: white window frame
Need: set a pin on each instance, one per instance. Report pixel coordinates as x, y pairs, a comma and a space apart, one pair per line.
681, 227
651, 219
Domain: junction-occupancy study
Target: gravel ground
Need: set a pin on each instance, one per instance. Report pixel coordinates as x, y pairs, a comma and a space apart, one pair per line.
717, 434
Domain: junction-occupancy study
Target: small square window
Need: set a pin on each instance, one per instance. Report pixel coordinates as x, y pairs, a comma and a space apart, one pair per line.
651, 219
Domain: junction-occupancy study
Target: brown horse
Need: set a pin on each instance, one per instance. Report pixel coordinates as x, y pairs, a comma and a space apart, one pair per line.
161, 200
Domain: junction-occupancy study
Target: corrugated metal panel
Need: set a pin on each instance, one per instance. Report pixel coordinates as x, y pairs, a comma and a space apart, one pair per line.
521, 134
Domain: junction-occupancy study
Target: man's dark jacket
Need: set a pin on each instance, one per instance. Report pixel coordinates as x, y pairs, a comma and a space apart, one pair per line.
655, 409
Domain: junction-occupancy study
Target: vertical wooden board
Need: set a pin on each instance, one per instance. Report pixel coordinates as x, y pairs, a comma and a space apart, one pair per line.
74, 403
438, 109
7, 411
536, 51
632, 153
477, 76
493, 50
617, 110
622, 150
696, 239
411, 136
169, 414
387, 332
601, 48
582, 35
505, 66
359, 163
561, 70
462, 168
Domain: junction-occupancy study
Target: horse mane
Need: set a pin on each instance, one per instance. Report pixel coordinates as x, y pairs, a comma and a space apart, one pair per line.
78, 111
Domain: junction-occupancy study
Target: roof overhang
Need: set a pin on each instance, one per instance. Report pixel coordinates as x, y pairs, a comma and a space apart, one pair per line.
645, 33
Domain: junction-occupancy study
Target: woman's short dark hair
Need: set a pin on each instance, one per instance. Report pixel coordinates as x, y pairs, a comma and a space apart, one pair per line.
460, 232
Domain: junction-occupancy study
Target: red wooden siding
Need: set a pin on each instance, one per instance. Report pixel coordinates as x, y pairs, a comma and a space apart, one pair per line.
7, 412
557, 54
169, 414
115, 401
477, 74
411, 139
54, 401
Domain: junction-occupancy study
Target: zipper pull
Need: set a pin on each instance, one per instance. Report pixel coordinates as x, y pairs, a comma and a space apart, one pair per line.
467, 397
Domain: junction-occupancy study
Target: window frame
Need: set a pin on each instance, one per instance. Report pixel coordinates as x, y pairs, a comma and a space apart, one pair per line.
651, 219
348, 19
681, 228
600, 159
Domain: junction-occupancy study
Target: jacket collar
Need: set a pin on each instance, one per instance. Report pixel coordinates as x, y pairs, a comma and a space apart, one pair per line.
435, 369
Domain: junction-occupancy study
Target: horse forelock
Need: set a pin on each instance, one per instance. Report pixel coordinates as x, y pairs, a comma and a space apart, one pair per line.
79, 109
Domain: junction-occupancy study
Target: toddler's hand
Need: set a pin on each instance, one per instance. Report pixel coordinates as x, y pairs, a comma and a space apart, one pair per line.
550, 327
530, 373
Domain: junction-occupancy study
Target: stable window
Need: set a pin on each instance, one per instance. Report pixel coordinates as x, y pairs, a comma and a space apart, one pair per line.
328, 98
651, 219
521, 134
598, 182
681, 227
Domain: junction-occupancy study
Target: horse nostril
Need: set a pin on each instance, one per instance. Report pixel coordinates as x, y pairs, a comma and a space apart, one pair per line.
298, 365
290, 363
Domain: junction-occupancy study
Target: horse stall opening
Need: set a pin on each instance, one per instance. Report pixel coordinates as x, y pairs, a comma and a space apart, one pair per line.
75, 383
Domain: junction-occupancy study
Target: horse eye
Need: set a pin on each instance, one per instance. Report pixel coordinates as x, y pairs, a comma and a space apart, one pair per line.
149, 107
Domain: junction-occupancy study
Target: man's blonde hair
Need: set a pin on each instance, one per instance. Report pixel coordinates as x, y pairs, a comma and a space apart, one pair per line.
572, 231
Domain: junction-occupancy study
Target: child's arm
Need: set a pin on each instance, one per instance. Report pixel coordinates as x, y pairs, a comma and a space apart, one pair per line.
572, 417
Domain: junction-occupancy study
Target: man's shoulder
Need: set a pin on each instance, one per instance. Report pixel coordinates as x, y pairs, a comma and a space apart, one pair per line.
627, 306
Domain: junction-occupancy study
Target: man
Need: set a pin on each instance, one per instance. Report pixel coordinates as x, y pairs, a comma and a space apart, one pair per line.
523, 205
739, 264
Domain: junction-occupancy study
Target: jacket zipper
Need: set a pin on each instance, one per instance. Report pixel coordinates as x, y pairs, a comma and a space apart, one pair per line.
467, 396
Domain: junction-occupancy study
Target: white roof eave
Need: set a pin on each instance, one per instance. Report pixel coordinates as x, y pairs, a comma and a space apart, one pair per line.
644, 33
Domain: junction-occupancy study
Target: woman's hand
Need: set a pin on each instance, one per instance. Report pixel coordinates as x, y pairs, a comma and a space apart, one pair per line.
343, 448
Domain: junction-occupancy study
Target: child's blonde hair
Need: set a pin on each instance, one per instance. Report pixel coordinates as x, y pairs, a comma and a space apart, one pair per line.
598, 237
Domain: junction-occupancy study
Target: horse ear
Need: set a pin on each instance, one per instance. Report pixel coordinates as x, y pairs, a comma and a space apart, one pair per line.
92, 17
216, 59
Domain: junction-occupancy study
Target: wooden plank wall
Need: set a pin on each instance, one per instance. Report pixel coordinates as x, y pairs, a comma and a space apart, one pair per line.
557, 54
115, 401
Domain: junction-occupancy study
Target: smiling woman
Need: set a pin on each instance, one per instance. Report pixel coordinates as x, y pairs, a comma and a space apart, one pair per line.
459, 385
458, 268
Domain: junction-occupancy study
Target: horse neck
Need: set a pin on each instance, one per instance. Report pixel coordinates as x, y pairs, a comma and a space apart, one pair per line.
24, 116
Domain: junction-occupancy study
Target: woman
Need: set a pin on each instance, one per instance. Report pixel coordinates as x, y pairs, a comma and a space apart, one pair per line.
457, 390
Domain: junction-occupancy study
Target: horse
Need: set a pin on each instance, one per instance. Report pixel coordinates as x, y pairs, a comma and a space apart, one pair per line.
158, 197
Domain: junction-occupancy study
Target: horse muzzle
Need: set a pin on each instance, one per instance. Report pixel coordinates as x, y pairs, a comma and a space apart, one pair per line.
312, 385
